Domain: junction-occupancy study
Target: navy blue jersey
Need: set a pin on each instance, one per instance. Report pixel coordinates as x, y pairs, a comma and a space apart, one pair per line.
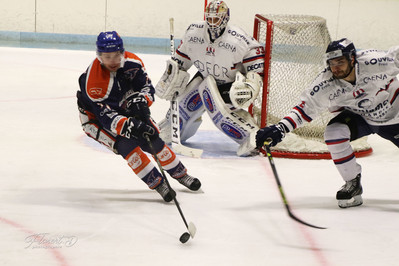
103, 92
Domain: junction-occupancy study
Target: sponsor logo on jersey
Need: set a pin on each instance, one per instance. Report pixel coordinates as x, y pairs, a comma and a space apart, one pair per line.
194, 102
359, 93
199, 65
231, 131
322, 85
130, 74
95, 91
238, 36
365, 103
375, 78
380, 61
227, 46
208, 101
255, 66
196, 40
210, 51
215, 70
368, 51
378, 112
196, 26
337, 93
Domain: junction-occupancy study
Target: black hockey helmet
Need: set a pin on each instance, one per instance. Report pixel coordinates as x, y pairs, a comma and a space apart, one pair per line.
342, 47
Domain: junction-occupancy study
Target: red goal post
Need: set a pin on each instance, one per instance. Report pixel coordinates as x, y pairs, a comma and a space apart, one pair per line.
294, 55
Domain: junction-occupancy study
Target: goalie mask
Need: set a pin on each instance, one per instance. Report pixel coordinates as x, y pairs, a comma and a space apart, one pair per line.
217, 15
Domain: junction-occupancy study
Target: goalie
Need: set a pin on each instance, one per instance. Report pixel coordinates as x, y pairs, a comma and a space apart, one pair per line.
228, 62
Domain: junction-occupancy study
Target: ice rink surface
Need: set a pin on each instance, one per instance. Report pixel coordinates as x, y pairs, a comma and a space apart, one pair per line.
65, 200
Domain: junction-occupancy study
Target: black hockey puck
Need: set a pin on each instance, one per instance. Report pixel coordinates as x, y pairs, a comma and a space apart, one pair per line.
184, 237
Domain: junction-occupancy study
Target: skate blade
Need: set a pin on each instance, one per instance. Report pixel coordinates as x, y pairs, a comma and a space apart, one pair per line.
353, 202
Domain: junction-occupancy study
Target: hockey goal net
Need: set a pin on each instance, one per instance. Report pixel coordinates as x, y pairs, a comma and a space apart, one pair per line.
294, 55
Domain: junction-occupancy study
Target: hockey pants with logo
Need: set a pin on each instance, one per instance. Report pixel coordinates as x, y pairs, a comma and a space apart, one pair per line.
132, 150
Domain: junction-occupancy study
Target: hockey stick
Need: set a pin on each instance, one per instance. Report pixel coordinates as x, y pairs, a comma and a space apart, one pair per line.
190, 226
175, 116
280, 187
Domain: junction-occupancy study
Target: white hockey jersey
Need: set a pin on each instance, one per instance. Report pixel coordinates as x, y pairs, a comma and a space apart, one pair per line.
374, 96
233, 51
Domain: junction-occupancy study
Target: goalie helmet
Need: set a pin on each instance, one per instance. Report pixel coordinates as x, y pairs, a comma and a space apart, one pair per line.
108, 42
217, 15
343, 47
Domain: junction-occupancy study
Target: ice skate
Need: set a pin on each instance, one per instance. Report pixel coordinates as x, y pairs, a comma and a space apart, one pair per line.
165, 192
350, 195
190, 182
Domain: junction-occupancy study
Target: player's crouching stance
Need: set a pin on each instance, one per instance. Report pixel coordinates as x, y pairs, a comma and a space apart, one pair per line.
114, 99
363, 90
228, 61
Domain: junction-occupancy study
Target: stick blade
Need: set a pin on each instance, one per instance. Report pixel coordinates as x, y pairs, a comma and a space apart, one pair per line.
192, 229
184, 150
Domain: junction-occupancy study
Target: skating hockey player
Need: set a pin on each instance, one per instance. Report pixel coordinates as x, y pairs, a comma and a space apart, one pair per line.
362, 89
228, 63
114, 98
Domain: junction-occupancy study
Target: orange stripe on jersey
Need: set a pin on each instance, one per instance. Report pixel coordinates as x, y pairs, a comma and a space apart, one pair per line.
129, 55
99, 81
166, 156
119, 125
137, 160
149, 100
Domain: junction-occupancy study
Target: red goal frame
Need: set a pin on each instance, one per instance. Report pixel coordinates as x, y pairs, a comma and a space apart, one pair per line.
266, 83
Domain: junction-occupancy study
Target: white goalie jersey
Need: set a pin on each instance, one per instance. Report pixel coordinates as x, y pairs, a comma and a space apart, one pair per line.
233, 51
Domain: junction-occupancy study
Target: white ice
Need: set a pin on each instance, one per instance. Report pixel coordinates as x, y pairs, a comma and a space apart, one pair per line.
86, 206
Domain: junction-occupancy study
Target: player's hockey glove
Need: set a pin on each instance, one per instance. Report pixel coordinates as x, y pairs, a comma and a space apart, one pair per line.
134, 128
274, 133
136, 106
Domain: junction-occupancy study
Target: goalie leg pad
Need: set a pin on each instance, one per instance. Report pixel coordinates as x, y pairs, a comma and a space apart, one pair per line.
190, 112
237, 124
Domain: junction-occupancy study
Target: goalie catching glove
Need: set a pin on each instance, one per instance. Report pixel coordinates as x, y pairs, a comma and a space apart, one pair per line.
173, 80
134, 128
273, 134
244, 90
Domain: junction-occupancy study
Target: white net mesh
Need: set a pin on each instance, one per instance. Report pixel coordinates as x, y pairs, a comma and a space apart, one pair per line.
297, 56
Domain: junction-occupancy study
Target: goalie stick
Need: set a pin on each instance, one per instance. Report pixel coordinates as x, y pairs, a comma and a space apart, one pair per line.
190, 226
280, 187
174, 114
